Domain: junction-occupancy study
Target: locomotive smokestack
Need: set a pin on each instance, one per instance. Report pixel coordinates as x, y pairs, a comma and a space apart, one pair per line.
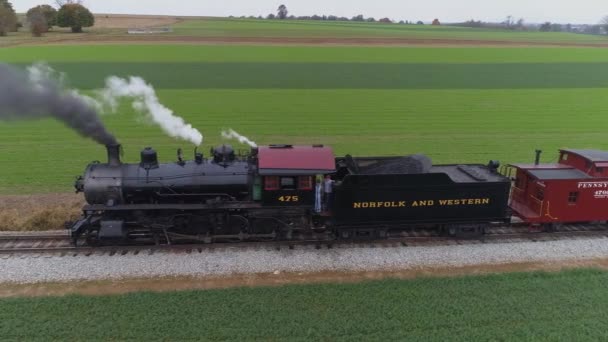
537, 159
113, 154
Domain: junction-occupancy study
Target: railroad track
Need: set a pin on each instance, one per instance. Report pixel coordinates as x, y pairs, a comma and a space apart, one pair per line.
61, 244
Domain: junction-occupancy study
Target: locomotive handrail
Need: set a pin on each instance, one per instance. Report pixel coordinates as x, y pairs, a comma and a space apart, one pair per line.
176, 176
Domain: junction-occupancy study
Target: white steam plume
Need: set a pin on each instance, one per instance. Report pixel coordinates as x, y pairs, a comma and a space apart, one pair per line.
145, 101
232, 134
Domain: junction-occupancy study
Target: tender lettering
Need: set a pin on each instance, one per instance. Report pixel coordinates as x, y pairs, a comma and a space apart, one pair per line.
421, 203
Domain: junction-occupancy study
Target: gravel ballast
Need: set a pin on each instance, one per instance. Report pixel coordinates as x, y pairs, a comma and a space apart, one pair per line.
53, 268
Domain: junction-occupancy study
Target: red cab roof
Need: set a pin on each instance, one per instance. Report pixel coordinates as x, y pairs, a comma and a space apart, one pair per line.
295, 160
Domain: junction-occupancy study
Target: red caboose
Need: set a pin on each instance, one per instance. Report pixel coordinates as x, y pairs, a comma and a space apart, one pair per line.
575, 189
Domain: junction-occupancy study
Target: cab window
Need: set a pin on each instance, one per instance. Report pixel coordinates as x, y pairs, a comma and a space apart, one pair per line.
271, 183
288, 183
304, 183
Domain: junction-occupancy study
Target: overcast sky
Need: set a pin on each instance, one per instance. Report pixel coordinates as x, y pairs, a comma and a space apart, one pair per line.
534, 11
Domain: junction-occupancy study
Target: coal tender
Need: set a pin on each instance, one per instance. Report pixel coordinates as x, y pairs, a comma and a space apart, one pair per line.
458, 199
282, 192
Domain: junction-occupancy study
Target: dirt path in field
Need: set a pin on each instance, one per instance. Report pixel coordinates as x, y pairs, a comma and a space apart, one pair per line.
93, 39
192, 283
103, 20
38, 212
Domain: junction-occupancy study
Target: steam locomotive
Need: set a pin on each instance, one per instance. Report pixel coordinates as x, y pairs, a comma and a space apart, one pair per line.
277, 192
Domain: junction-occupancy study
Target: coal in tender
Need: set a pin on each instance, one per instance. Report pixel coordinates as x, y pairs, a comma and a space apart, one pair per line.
414, 164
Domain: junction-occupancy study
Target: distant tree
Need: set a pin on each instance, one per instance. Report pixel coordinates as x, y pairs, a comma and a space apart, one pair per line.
282, 12
520, 24
545, 27
509, 22
604, 23
370, 20
472, 23
556, 28
401, 22
8, 18
419, 22
48, 13
37, 23
385, 20
436, 22
332, 18
270, 16
260, 17
75, 16
568, 28
316, 17
358, 18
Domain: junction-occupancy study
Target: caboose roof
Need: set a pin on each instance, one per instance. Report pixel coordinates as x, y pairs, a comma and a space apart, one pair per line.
558, 174
591, 155
295, 160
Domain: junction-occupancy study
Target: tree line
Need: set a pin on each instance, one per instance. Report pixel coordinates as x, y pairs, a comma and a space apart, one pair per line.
509, 24
42, 18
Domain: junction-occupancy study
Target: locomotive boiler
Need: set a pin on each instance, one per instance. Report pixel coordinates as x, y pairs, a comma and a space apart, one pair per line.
115, 183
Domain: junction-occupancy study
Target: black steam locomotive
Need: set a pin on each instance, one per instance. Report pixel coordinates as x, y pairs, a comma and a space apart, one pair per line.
282, 192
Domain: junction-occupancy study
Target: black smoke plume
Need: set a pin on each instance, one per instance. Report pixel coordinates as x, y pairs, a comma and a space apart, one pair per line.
36, 95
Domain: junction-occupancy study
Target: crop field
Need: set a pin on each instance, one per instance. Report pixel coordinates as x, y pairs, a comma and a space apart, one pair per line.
454, 104
307, 29
206, 29
568, 306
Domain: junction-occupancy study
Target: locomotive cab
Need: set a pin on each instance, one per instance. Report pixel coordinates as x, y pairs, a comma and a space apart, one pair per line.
287, 173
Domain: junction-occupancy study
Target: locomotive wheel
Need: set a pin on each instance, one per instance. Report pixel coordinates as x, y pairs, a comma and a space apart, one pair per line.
92, 238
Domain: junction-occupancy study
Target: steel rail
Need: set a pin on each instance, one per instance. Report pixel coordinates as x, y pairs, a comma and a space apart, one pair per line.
61, 244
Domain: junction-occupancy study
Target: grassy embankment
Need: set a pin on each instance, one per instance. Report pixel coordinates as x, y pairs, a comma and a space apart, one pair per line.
568, 306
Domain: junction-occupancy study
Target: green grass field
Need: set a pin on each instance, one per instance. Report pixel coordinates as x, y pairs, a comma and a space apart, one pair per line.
567, 306
455, 104
307, 29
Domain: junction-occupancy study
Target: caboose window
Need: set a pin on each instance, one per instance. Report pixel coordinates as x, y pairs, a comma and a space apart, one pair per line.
572, 197
564, 156
305, 183
599, 169
271, 183
540, 194
288, 183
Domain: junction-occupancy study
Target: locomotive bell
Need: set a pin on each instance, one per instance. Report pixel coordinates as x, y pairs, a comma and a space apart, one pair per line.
149, 159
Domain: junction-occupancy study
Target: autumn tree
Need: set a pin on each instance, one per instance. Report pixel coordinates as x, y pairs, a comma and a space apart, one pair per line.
38, 23
75, 16
48, 13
